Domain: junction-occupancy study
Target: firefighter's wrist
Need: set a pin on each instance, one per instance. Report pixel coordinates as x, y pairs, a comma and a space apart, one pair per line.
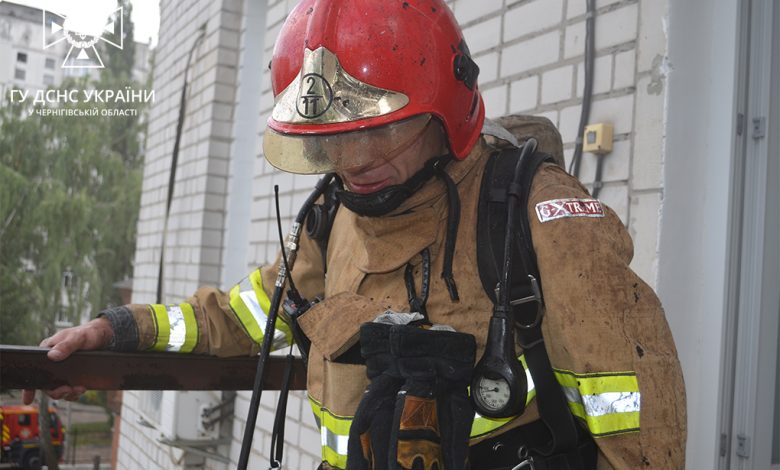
124, 331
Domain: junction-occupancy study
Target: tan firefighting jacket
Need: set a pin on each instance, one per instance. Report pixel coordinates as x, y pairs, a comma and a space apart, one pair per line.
604, 328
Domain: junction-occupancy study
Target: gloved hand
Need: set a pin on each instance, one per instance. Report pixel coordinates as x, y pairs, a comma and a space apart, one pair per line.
369, 434
433, 415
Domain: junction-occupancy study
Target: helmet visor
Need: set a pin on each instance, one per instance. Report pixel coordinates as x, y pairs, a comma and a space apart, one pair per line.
326, 153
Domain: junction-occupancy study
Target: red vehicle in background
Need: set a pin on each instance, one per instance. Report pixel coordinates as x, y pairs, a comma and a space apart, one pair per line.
20, 443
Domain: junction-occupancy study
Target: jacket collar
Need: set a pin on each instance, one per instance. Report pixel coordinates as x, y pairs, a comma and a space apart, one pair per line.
389, 242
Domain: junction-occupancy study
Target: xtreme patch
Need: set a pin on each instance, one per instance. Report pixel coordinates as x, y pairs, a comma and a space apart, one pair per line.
572, 207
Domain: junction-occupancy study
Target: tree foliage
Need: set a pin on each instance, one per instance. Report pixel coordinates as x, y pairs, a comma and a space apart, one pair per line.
69, 198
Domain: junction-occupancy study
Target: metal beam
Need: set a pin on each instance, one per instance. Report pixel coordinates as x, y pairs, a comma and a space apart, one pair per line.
28, 367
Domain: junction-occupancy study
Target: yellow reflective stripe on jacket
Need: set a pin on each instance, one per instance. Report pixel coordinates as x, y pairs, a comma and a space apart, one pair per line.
176, 328
256, 279
483, 425
250, 304
334, 434
608, 402
334, 429
257, 284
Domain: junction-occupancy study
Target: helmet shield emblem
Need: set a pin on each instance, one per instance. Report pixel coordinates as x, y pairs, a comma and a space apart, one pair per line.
324, 93
315, 96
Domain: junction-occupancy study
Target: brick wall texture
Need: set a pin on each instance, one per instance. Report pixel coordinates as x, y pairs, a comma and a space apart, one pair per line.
193, 245
531, 55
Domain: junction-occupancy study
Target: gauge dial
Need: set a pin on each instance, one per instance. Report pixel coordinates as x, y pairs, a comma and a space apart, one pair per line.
492, 394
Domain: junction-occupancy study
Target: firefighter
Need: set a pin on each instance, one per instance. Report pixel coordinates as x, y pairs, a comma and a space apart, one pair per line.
385, 95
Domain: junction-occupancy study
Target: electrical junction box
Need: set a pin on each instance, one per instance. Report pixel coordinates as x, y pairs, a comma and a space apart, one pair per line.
598, 139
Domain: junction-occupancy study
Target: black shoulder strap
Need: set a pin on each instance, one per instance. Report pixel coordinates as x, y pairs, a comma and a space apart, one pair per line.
491, 221
491, 224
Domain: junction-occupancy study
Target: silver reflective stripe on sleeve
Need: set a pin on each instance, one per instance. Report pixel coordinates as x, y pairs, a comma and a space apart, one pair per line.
611, 402
608, 402
178, 328
334, 441
605, 403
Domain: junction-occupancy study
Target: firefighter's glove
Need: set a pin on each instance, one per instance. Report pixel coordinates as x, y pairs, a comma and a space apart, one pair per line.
369, 434
433, 415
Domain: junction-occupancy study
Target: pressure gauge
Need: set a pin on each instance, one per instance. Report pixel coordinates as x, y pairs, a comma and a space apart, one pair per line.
499, 387
492, 394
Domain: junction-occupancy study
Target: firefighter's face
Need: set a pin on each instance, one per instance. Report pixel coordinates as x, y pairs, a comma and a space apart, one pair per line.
399, 167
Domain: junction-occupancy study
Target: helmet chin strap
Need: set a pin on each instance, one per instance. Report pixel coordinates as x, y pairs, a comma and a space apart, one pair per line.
386, 200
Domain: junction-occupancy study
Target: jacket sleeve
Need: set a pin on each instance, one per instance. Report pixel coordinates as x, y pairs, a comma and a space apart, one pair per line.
215, 322
605, 330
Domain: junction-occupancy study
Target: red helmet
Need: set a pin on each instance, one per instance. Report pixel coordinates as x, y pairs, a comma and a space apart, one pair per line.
344, 66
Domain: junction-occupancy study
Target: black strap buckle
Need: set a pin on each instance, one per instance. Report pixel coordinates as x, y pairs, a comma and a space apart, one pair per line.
526, 460
535, 297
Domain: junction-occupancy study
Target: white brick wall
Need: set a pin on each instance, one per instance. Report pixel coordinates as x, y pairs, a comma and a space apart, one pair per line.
530, 18
557, 85
524, 94
530, 54
466, 11
194, 241
197, 209
540, 60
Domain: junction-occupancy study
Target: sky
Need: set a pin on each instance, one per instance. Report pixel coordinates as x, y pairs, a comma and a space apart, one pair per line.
146, 13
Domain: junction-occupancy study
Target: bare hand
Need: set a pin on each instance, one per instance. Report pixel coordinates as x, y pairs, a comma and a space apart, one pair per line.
96, 334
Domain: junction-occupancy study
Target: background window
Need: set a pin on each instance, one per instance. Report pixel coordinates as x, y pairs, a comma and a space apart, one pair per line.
21, 57
49, 63
48, 79
19, 74
151, 405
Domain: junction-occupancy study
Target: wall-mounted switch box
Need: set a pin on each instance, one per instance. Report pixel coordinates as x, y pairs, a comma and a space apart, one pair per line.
598, 139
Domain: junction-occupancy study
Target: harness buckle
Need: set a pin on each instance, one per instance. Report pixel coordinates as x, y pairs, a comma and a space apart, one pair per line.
526, 460
535, 297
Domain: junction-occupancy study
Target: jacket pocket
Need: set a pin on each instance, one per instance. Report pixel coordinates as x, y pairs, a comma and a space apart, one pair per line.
333, 325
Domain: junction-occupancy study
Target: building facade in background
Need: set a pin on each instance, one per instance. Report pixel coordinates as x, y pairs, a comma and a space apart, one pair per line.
23, 61
686, 86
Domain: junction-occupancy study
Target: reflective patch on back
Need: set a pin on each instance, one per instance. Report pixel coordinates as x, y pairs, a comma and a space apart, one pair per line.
571, 207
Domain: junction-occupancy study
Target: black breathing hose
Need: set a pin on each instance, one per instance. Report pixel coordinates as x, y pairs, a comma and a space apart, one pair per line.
270, 327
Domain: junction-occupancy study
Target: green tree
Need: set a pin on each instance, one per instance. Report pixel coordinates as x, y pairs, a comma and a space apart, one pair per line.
118, 74
119, 63
68, 210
